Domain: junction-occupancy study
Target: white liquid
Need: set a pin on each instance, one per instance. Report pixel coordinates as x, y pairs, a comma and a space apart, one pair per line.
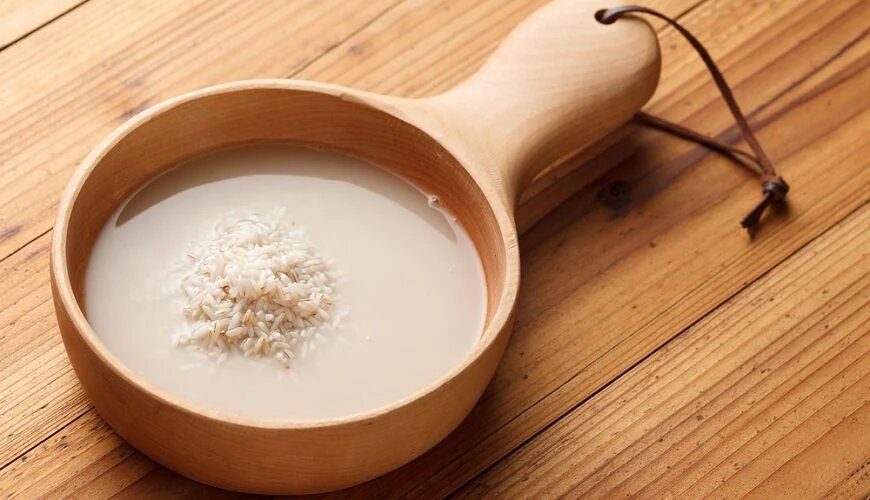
408, 276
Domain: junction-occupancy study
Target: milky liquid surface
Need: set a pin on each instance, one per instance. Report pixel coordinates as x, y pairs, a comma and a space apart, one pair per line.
408, 277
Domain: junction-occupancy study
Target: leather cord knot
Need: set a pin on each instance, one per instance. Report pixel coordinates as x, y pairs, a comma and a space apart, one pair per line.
777, 188
774, 188
774, 191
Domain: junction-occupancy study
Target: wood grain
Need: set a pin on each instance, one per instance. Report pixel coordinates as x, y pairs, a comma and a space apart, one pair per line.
609, 276
40, 391
86, 436
18, 18
760, 386
176, 46
685, 82
385, 56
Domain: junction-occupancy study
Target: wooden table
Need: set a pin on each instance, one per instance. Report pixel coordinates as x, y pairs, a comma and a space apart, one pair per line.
658, 352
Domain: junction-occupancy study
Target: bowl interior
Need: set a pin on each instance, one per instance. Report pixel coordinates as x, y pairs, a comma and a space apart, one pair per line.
167, 135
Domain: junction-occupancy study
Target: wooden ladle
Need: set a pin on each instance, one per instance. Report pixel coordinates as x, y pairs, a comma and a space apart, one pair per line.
558, 82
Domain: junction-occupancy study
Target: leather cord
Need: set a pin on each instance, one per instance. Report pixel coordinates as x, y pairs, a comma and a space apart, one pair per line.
774, 187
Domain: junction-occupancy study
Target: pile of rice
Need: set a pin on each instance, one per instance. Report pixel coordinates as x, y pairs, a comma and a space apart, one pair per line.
256, 287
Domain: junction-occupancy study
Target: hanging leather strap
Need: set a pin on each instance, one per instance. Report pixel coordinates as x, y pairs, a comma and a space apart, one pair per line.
774, 188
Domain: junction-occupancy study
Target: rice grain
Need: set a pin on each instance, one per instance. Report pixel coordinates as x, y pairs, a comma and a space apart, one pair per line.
256, 287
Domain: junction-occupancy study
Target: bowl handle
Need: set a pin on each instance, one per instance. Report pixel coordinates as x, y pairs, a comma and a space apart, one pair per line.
558, 82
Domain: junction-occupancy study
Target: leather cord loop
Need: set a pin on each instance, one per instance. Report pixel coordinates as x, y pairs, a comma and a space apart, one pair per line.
774, 187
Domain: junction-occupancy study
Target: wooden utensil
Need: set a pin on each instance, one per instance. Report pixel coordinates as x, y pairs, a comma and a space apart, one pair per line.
557, 83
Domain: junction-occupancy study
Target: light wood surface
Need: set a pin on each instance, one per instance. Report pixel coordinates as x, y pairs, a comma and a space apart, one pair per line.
607, 279
744, 395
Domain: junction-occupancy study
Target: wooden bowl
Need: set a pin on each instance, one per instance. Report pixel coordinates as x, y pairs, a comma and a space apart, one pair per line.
559, 81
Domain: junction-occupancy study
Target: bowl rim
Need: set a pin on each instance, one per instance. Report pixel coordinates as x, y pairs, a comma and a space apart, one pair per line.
396, 107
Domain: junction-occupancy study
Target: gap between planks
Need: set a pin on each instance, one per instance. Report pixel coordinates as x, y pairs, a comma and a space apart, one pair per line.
318, 67
859, 213
837, 256
21, 18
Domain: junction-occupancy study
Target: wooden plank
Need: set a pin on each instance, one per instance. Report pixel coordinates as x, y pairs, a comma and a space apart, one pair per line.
414, 55
709, 219
69, 84
44, 403
87, 435
38, 386
18, 18
40, 391
767, 396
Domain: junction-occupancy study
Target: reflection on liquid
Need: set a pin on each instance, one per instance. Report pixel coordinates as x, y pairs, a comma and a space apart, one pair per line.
242, 162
